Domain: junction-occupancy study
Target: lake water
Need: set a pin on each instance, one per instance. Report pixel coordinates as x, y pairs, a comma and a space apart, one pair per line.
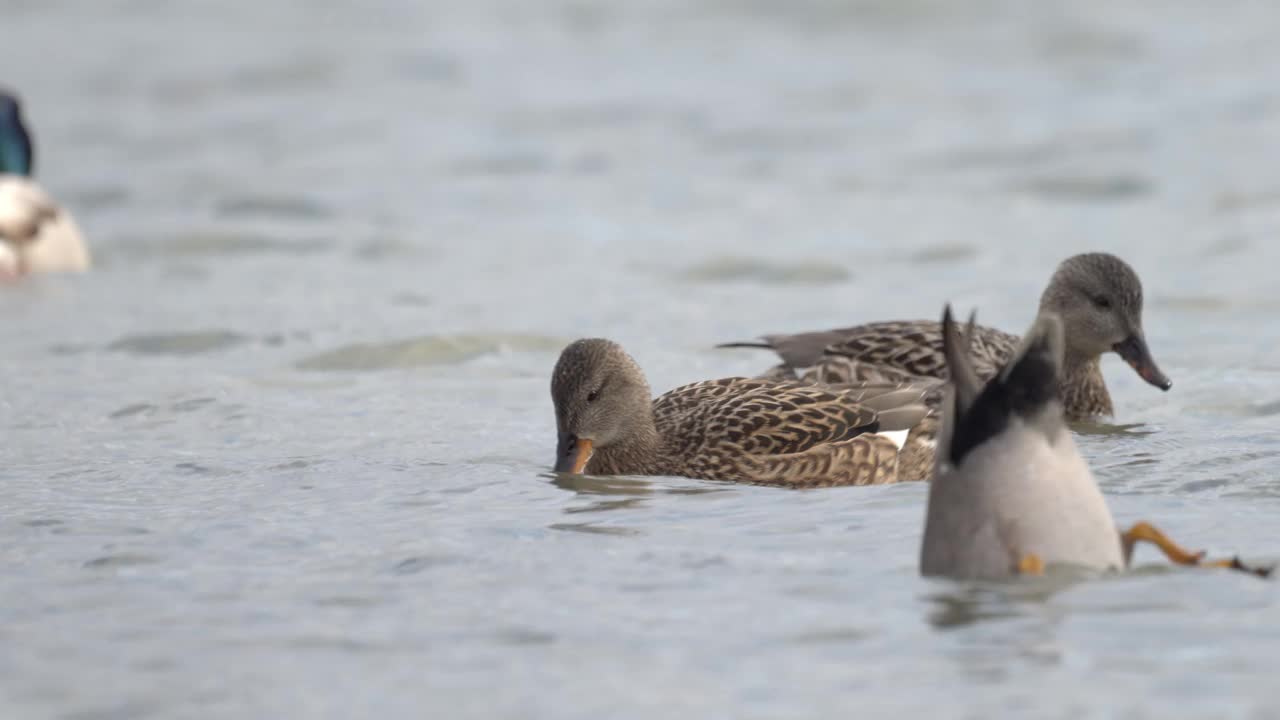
284, 452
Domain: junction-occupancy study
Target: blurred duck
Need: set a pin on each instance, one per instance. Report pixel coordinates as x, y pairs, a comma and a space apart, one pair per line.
1097, 296
36, 235
760, 431
1011, 494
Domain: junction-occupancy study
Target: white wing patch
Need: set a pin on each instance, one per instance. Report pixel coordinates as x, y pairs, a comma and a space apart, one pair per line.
899, 437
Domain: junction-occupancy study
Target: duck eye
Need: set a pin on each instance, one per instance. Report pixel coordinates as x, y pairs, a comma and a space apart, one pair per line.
1102, 301
591, 396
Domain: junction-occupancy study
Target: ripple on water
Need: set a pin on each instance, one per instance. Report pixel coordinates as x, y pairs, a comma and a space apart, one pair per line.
428, 66
828, 636
594, 529
200, 243
380, 249
601, 484
1264, 409
349, 601
1101, 188
426, 351
283, 207
120, 560
42, 522
100, 197
191, 468
409, 299
945, 253
181, 343
767, 272
607, 505
131, 410
523, 636
1101, 427
1192, 303
419, 563
123, 711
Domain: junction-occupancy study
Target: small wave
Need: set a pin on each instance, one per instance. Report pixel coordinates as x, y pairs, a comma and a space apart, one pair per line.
1101, 188
199, 243
766, 272
944, 253
188, 343
277, 206
426, 351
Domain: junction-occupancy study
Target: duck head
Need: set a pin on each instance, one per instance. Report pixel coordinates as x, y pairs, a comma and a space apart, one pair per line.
601, 400
1099, 299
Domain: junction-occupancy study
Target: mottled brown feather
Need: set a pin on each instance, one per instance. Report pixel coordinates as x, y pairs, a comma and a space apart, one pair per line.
756, 430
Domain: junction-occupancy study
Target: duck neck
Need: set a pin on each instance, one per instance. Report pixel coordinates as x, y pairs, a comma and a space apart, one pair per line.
16, 153
1084, 393
637, 453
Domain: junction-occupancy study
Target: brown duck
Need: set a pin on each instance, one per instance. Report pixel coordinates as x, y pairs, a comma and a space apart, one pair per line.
755, 430
1097, 296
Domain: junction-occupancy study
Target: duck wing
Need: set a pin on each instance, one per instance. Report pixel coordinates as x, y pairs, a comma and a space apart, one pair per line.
786, 433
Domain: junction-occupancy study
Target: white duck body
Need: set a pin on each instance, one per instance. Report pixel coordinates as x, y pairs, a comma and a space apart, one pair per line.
1021, 493
1019, 486
38, 236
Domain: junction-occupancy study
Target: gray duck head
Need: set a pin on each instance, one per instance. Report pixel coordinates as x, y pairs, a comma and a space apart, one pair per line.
601, 399
1099, 299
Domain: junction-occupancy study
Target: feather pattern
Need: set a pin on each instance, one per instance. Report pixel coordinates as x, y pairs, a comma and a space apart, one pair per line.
780, 433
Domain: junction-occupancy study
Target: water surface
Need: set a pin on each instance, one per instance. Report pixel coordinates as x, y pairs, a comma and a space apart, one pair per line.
283, 454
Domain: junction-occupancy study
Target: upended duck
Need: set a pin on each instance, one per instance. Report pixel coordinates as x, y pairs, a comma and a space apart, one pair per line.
762, 431
1011, 494
36, 234
1097, 296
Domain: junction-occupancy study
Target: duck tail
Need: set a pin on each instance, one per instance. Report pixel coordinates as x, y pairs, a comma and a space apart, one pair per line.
956, 348
1024, 388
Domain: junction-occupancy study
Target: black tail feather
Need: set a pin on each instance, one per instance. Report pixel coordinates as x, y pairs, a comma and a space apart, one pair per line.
1026, 384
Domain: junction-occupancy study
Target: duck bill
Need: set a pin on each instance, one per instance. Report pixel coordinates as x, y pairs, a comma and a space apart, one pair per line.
572, 454
1135, 352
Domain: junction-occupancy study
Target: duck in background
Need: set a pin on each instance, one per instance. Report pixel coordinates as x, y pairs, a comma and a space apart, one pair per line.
1097, 296
36, 234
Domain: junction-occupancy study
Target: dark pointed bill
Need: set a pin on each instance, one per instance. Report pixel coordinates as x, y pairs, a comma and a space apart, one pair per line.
572, 454
1134, 351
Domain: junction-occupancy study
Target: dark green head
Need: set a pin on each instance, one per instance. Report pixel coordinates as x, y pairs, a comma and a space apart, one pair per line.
16, 155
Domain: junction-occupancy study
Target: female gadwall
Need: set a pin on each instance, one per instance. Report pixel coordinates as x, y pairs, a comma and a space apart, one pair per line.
1097, 296
741, 429
35, 234
1011, 493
